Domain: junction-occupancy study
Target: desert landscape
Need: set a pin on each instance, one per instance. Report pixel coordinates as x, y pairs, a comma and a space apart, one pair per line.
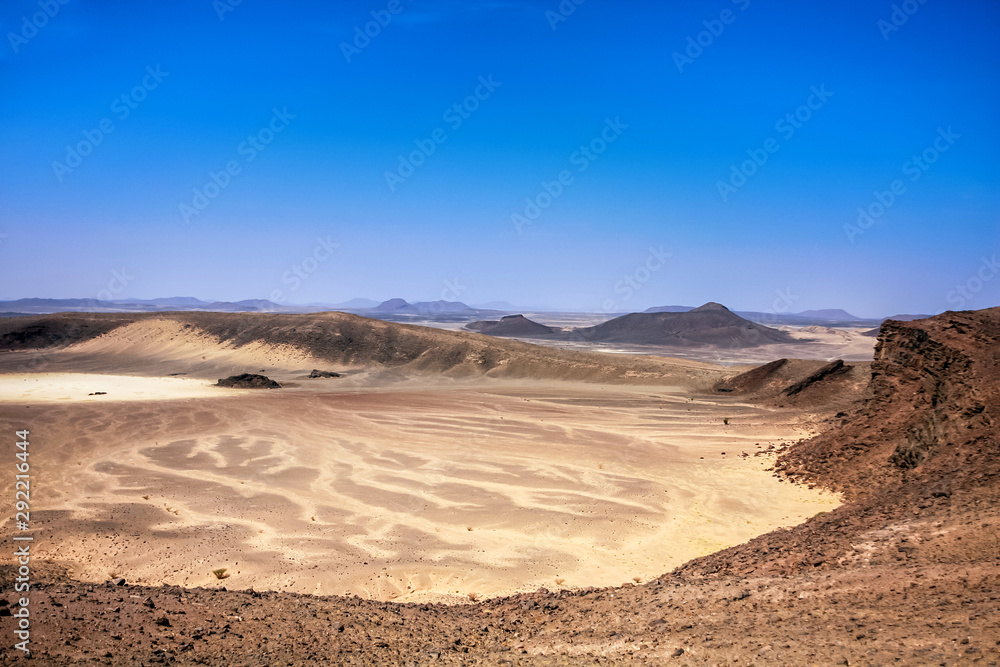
390, 484
510, 333
421, 495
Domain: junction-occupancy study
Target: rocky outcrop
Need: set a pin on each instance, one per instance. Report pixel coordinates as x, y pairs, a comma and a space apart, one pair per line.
249, 381
511, 325
917, 462
933, 410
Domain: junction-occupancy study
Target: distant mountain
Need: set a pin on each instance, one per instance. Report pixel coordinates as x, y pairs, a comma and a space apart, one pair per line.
439, 306
357, 304
908, 318
505, 306
805, 318
669, 309
168, 301
710, 324
259, 304
832, 314
511, 325
425, 308
41, 306
391, 305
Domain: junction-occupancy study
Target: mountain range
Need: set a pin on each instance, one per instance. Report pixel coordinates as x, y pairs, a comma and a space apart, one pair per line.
398, 308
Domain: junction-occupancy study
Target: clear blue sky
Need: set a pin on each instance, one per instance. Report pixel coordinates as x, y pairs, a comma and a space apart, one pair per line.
197, 87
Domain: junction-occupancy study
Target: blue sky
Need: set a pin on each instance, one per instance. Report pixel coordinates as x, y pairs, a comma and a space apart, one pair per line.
661, 200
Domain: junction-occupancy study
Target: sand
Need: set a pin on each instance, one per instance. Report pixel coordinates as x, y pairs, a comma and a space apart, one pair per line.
413, 491
32, 388
820, 343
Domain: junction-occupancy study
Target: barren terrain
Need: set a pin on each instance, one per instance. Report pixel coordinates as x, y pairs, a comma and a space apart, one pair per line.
400, 488
425, 476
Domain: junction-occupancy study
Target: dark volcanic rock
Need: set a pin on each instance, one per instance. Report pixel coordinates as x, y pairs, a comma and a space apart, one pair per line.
511, 325
249, 381
710, 324
323, 374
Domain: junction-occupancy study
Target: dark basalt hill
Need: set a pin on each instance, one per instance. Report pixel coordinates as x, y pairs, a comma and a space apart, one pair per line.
710, 324
511, 325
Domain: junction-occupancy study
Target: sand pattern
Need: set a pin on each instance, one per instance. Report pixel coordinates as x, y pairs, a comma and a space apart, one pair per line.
436, 493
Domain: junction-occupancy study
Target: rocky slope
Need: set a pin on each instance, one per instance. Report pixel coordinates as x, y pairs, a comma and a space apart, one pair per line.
918, 462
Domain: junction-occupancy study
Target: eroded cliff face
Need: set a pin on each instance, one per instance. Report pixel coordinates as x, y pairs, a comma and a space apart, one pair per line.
918, 462
932, 415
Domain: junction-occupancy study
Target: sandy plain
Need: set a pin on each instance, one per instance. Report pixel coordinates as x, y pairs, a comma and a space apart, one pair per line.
398, 488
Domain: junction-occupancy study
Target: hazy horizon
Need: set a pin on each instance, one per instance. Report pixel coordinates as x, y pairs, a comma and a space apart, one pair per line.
494, 305
604, 159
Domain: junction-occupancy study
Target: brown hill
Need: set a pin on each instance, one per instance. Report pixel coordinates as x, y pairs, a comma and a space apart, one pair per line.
801, 383
511, 325
710, 324
918, 462
932, 416
343, 340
